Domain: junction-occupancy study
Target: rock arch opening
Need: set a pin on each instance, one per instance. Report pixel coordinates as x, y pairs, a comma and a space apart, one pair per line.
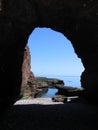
53, 56
50, 47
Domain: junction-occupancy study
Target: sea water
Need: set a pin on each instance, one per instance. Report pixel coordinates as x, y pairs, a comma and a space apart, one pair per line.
73, 81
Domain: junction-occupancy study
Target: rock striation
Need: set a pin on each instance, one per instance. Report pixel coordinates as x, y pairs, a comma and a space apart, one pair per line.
76, 19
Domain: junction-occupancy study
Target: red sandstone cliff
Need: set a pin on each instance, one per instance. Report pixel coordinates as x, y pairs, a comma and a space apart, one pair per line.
30, 87
27, 75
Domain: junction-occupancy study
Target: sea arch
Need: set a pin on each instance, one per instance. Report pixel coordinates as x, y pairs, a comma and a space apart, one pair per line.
77, 20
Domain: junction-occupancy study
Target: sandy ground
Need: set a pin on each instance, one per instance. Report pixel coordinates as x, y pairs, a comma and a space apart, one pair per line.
43, 101
43, 114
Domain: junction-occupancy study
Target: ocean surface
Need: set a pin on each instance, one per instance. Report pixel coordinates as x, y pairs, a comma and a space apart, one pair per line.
73, 81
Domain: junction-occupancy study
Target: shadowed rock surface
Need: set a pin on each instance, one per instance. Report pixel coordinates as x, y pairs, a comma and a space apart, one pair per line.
76, 19
68, 116
69, 91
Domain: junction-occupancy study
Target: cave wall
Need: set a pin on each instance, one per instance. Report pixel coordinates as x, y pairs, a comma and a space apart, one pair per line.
76, 19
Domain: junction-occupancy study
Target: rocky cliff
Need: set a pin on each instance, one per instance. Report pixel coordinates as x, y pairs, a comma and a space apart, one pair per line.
27, 85
30, 85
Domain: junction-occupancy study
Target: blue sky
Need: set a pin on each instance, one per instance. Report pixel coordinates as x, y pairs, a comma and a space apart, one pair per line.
53, 54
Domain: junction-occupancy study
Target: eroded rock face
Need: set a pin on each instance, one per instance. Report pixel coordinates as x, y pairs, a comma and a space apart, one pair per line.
26, 66
27, 75
76, 19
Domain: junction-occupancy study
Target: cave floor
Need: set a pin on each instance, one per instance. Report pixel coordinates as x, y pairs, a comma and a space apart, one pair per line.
67, 116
